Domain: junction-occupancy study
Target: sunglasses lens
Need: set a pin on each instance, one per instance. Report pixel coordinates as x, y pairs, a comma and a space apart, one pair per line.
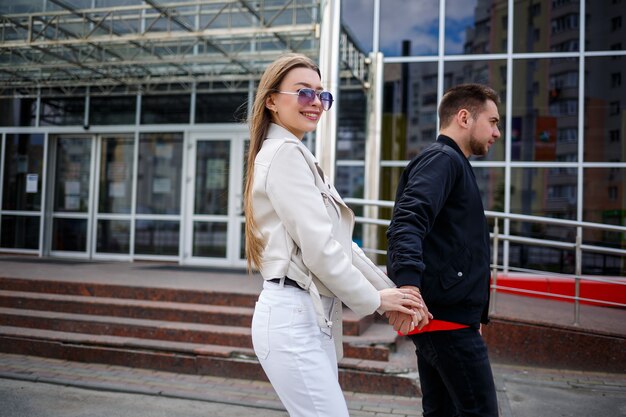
306, 96
327, 100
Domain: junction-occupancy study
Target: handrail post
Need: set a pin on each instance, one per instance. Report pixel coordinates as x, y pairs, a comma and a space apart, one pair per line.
494, 271
578, 272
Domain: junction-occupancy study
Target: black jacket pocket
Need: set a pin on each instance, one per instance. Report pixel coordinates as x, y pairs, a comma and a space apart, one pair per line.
456, 269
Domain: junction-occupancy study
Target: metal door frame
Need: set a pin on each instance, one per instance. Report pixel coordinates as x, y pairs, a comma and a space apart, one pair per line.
237, 136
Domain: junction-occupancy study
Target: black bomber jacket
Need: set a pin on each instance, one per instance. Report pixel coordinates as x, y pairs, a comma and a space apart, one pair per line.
438, 239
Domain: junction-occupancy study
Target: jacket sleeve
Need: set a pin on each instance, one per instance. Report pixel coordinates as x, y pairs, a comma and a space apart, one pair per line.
372, 273
298, 203
427, 186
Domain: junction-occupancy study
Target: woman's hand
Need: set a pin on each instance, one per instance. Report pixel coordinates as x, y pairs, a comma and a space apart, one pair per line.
403, 300
405, 323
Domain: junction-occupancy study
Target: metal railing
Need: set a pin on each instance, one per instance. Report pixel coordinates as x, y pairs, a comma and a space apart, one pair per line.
497, 237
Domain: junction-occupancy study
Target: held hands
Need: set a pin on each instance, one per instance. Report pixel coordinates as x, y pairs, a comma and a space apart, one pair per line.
406, 301
404, 323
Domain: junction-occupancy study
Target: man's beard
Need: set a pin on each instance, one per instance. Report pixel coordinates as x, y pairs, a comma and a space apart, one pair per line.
477, 148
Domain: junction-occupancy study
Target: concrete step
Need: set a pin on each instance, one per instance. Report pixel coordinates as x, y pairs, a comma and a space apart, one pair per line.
366, 376
106, 290
374, 344
170, 304
124, 307
153, 310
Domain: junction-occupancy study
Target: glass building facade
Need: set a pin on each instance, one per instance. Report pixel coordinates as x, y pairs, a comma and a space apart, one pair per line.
558, 66
123, 173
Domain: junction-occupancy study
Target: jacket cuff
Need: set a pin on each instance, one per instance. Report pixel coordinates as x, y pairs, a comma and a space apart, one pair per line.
408, 276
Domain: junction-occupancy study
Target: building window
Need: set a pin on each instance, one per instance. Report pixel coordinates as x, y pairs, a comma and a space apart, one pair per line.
564, 108
563, 80
567, 46
612, 193
567, 135
563, 23
614, 135
616, 79
535, 10
614, 108
616, 23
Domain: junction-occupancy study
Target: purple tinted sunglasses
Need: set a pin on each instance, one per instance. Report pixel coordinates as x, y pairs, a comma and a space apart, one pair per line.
306, 96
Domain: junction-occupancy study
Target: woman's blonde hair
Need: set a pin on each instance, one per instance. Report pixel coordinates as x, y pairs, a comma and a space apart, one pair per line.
259, 121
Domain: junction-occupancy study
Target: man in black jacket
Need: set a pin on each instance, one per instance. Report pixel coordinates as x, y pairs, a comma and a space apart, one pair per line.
439, 244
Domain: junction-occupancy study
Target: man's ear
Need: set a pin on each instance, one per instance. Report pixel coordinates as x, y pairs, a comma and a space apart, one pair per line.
463, 117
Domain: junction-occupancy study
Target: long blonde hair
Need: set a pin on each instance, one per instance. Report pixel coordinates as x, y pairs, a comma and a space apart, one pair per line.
260, 119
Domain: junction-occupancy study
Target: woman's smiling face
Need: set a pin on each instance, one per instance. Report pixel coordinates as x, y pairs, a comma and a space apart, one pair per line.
286, 109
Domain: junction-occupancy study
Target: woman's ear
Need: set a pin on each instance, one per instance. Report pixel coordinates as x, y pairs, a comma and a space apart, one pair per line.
269, 103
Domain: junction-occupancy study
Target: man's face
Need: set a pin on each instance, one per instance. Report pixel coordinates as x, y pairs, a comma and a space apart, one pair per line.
484, 130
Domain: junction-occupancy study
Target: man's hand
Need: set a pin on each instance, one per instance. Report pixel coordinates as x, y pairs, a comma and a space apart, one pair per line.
401, 322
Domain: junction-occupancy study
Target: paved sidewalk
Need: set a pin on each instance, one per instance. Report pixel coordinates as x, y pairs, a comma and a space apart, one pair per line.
228, 391
522, 391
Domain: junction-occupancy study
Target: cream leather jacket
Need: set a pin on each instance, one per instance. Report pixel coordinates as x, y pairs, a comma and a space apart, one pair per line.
307, 230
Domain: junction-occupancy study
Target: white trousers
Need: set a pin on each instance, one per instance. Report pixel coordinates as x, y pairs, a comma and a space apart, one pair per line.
299, 360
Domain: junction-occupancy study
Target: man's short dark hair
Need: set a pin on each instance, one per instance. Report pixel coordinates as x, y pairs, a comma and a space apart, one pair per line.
471, 97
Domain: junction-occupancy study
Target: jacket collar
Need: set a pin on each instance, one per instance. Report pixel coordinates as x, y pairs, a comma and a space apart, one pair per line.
278, 132
447, 140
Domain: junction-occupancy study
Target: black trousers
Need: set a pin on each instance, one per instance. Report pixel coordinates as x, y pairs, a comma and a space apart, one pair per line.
455, 374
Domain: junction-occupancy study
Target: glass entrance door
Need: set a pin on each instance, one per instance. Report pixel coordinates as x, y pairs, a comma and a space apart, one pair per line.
214, 217
72, 196
91, 196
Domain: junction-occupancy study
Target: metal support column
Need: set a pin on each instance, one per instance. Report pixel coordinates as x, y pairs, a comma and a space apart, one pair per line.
326, 133
373, 146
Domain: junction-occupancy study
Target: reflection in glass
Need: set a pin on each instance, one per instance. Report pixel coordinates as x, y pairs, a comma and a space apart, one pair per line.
165, 109
159, 173
113, 236
409, 27
409, 109
476, 26
221, 107
23, 172
242, 241
545, 110
605, 107
112, 110
209, 239
389, 179
116, 170
69, 234
543, 26
156, 237
491, 185
19, 232
491, 73
605, 25
358, 20
62, 111
549, 192
73, 166
542, 258
604, 200
212, 177
351, 131
16, 111
349, 182
603, 264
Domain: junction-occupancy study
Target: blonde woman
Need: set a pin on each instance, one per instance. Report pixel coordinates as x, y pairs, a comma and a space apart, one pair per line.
299, 235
